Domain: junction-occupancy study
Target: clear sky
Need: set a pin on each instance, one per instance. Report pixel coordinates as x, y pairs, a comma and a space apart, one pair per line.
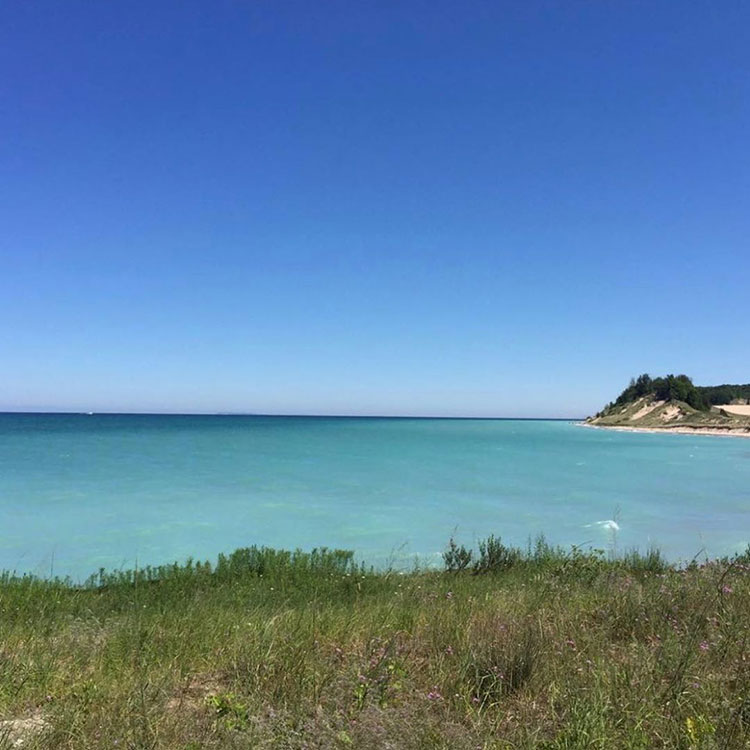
459, 208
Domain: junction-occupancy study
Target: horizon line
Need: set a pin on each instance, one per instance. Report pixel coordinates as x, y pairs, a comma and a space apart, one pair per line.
76, 412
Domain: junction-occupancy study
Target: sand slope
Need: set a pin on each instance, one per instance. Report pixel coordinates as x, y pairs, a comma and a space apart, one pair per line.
742, 410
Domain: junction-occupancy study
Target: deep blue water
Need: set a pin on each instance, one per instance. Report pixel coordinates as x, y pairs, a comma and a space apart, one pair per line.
78, 492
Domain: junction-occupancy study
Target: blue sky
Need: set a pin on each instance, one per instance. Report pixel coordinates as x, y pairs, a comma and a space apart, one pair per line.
475, 208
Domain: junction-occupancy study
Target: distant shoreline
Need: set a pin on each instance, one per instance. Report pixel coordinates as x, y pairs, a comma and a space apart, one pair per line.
281, 416
680, 430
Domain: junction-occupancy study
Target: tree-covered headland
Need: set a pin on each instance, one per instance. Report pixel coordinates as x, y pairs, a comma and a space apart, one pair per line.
667, 388
674, 402
681, 388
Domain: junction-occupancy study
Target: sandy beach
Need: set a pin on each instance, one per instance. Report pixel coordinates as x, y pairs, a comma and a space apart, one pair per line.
681, 430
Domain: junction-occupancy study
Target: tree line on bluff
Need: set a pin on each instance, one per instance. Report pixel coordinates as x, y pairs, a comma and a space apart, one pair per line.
681, 388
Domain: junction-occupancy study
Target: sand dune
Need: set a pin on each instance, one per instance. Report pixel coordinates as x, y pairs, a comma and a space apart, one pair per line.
742, 410
647, 409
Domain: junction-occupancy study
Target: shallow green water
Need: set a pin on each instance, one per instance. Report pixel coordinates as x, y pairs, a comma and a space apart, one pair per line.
78, 492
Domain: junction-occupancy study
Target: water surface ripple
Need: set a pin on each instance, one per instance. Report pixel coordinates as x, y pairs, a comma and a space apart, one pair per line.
78, 492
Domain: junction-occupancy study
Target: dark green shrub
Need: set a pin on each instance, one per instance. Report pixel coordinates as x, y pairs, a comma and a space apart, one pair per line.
494, 556
456, 558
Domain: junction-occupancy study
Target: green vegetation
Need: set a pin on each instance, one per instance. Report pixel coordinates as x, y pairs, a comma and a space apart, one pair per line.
673, 401
725, 394
505, 648
668, 388
681, 388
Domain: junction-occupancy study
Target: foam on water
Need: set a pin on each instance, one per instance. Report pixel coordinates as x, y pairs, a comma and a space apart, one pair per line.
82, 491
608, 525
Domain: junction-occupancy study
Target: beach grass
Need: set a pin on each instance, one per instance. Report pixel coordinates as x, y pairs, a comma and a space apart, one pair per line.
504, 648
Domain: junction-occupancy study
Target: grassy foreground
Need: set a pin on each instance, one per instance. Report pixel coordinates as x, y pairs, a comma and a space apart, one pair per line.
540, 648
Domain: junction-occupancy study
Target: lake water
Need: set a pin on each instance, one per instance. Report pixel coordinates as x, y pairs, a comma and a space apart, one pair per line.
78, 492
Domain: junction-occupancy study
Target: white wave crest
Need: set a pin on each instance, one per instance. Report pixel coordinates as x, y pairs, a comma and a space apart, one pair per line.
609, 525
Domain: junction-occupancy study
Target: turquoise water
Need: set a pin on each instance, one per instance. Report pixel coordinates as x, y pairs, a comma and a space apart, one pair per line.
78, 492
